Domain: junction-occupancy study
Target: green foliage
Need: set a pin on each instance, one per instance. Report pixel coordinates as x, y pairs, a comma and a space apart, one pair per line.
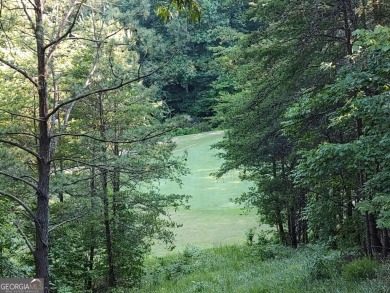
185, 83
106, 148
360, 269
263, 252
333, 155
237, 269
326, 267
190, 7
307, 125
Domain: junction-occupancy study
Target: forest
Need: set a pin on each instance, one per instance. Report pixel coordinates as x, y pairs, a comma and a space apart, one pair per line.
92, 93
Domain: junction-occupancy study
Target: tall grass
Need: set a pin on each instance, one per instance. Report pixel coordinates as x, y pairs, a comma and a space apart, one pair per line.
260, 269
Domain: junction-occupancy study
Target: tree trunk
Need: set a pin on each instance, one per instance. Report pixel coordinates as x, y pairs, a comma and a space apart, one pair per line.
88, 280
108, 234
41, 254
376, 9
374, 235
90, 262
115, 181
349, 22
282, 235
106, 208
305, 236
386, 242
292, 229
368, 237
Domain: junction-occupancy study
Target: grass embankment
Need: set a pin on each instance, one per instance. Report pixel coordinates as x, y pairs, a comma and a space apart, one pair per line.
269, 269
212, 220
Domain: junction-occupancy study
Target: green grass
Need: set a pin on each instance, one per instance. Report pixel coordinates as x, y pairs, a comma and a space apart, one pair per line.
213, 220
267, 269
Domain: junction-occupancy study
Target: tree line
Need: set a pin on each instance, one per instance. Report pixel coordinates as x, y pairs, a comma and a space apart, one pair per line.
305, 99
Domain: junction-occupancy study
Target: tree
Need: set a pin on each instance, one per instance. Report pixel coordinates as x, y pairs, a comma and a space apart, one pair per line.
41, 43
345, 166
292, 56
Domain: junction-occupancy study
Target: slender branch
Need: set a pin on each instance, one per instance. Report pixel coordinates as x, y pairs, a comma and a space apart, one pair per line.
80, 180
146, 137
28, 16
19, 179
20, 202
103, 41
86, 39
33, 4
20, 115
109, 168
65, 222
69, 169
104, 90
29, 177
112, 66
21, 71
82, 163
19, 133
27, 216
68, 31
71, 106
20, 147
113, 34
28, 243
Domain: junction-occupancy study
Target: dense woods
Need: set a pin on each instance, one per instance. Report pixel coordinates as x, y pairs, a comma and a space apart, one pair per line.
308, 120
91, 93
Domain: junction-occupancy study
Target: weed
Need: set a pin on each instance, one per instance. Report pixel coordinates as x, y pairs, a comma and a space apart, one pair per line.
326, 267
243, 269
363, 268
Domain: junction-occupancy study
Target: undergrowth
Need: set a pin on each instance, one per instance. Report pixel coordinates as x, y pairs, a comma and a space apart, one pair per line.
265, 269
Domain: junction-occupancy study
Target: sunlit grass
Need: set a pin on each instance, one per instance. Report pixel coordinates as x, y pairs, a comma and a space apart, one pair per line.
213, 218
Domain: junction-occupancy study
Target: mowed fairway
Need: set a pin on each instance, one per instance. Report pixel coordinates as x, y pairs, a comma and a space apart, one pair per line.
213, 220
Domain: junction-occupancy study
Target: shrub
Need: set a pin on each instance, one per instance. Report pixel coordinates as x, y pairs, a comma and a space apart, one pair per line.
250, 234
363, 268
325, 266
263, 253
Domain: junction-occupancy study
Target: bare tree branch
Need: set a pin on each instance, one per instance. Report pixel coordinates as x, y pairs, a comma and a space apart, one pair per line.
28, 243
21, 71
104, 90
66, 221
81, 180
33, 4
29, 177
20, 115
20, 202
83, 163
71, 106
69, 30
19, 133
28, 16
148, 136
15, 144
136, 172
19, 179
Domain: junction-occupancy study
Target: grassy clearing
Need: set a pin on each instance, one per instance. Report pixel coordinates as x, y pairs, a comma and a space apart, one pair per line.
268, 269
213, 220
